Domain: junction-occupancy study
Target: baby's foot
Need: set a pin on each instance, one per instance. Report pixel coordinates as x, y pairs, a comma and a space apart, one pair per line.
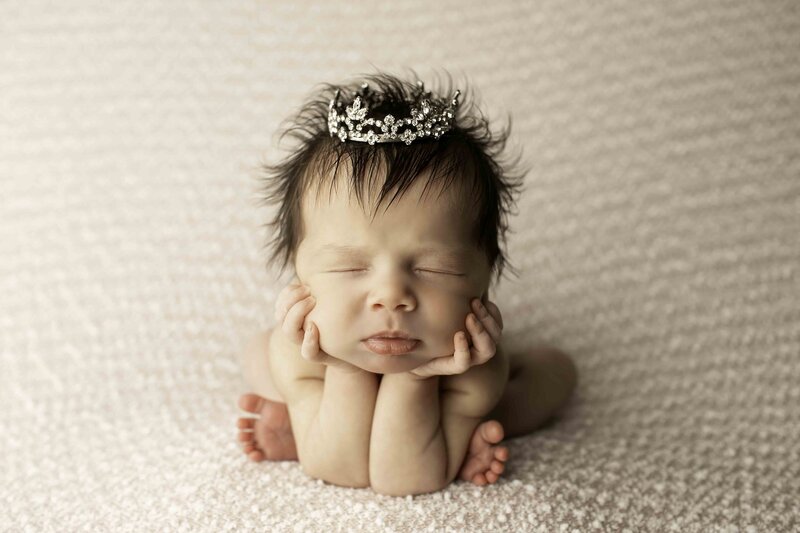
270, 436
485, 462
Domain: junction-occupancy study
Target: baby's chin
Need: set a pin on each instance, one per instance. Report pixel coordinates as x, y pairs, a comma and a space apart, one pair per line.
389, 364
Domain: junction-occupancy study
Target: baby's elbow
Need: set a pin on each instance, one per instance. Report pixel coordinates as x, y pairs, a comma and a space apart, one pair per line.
401, 489
335, 476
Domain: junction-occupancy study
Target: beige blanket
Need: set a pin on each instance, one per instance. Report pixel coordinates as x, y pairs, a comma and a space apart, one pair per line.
658, 242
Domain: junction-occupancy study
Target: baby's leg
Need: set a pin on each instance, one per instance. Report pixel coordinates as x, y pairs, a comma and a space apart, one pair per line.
254, 361
540, 382
269, 434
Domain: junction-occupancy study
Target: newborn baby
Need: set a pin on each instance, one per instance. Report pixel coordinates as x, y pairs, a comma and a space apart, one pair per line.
386, 369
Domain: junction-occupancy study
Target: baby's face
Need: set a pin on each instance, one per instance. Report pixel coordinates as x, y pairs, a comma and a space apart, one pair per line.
413, 268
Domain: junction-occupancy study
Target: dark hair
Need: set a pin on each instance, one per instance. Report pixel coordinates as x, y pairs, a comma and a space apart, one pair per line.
469, 150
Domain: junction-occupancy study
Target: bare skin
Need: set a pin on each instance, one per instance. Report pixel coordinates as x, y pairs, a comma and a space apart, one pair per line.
414, 267
540, 383
268, 435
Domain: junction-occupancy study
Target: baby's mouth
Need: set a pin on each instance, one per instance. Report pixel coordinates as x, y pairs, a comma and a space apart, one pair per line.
390, 346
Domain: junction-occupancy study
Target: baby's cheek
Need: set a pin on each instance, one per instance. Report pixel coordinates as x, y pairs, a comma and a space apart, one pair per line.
330, 321
445, 320
318, 315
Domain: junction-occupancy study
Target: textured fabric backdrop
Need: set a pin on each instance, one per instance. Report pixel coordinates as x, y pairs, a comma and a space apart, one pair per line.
657, 242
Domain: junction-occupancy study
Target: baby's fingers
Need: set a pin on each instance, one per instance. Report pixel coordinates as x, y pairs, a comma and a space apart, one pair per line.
461, 354
495, 312
458, 363
290, 295
293, 323
309, 349
487, 319
485, 346
313, 352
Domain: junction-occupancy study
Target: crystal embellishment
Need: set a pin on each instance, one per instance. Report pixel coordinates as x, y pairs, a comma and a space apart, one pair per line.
429, 117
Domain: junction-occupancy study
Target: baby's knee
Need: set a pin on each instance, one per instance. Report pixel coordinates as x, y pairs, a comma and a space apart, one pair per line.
558, 367
568, 370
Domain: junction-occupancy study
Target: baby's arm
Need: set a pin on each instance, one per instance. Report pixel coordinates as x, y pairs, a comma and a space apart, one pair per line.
407, 454
336, 446
331, 416
419, 434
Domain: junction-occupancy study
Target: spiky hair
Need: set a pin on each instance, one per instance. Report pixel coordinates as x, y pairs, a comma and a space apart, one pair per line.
469, 152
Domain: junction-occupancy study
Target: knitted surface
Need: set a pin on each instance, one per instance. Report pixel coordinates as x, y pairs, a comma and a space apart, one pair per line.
658, 242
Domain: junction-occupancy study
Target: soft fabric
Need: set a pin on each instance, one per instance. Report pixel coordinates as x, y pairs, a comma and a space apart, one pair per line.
657, 242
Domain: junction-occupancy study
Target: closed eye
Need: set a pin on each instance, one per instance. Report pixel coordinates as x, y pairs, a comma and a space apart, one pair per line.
418, 269
439, 272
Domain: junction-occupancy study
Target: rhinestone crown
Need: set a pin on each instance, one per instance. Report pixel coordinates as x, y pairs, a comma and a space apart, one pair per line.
429, 117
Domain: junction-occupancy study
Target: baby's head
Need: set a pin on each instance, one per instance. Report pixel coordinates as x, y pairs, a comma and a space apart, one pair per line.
391, 236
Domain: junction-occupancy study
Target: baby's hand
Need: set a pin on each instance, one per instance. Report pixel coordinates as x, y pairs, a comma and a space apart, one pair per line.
293, 304
291, 310
485, 331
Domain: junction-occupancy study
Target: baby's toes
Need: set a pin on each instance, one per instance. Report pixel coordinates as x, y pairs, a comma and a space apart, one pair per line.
497, 467
493, 431
246, 437
246, 423
246, 426
498, 464
251, 402
479, 479
501, 453
255, 455
250, 447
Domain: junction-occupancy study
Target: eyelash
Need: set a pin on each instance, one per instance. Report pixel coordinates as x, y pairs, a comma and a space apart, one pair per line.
420, 269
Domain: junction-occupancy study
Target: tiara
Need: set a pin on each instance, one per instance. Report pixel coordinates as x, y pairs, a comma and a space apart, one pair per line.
430, 117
